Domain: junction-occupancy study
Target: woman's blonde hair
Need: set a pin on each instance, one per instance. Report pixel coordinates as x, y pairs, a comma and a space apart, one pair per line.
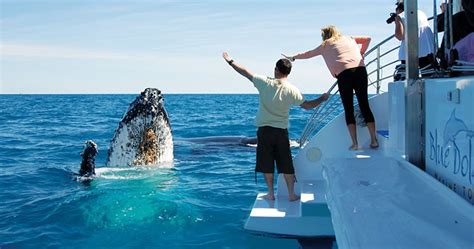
330, 34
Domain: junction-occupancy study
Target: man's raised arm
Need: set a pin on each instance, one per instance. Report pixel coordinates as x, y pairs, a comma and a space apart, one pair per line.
238, 68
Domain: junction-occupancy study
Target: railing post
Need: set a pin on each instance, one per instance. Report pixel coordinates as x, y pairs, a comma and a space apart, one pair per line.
450, 16
378, 70
411, 39
414, 92
446, 40
435, 29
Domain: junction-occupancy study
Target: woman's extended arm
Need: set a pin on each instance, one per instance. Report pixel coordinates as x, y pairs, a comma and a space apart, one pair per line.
306, 55
364, 41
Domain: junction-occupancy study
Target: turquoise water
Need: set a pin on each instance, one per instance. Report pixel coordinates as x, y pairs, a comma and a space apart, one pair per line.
202, 202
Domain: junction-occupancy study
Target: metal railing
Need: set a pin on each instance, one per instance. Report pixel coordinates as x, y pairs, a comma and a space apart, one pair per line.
378, 63
322, 114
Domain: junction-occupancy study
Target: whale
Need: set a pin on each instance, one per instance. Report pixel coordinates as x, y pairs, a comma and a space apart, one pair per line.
231, 141
143, 136
88, 159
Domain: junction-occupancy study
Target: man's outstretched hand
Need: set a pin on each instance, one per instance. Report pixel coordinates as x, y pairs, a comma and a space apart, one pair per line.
325, 96
226, 57
237, 67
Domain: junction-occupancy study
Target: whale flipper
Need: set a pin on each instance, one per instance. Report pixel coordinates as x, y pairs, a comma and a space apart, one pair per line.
88, 159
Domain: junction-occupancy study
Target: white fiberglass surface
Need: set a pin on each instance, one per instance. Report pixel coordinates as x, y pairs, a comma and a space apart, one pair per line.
380, 202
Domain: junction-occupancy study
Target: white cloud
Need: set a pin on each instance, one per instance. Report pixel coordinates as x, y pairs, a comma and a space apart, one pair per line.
28, 50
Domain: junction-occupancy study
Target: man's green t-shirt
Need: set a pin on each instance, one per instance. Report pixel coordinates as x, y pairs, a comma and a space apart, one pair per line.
276, 98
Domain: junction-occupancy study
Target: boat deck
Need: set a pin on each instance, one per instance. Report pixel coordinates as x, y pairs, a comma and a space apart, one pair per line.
396, 204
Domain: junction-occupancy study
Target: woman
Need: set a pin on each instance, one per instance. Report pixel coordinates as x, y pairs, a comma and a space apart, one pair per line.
344, 60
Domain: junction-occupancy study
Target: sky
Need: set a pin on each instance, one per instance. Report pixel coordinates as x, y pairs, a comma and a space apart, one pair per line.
111, 46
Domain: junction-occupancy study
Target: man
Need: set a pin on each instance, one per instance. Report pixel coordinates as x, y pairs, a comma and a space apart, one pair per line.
425, 38
276, 96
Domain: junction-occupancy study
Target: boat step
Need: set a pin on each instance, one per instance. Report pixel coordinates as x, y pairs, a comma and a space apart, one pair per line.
282, 218
280, 207
313, 200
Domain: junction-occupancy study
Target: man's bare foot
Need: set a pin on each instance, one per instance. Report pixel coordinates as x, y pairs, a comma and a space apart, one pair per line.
270, 197
354, 147
293, 197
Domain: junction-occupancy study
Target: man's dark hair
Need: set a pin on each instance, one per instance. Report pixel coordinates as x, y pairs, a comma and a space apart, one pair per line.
284, 66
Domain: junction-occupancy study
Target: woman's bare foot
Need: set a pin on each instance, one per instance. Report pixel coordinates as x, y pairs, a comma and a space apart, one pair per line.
354, 147
374, 144
293, 197
270, 197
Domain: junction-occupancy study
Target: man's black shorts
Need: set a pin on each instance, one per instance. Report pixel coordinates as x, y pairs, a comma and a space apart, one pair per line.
273, 146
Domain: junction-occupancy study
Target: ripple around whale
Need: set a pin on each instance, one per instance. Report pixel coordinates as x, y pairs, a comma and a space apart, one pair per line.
136, 196
125, 173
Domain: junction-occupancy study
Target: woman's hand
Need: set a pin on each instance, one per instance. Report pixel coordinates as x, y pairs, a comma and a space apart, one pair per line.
364, 41
291, 58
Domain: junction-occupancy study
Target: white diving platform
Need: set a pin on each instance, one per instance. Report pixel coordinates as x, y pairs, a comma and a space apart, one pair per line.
297, 219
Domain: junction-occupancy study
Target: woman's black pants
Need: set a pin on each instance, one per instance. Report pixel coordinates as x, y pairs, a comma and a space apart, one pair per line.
354, 80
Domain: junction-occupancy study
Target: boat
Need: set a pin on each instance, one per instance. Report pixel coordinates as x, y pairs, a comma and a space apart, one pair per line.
415, 191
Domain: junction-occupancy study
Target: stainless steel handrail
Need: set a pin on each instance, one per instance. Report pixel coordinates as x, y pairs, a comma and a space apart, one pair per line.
317, 120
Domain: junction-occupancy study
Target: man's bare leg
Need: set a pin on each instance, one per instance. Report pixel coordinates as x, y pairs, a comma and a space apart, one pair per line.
269, 180
290, 183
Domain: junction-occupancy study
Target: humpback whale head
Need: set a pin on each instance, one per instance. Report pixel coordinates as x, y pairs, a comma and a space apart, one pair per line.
143, 137
88, 159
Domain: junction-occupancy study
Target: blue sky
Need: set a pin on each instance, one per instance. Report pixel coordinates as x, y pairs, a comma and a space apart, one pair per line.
110, 46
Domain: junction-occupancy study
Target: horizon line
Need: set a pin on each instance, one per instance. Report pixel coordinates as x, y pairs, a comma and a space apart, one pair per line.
183, 93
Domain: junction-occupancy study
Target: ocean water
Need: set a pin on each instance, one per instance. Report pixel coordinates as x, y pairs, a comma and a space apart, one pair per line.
201, 202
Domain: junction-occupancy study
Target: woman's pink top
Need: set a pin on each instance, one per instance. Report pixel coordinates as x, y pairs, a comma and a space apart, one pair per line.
339, 55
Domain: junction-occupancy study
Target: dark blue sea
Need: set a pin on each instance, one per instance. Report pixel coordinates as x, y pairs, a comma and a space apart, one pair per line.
202, 202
